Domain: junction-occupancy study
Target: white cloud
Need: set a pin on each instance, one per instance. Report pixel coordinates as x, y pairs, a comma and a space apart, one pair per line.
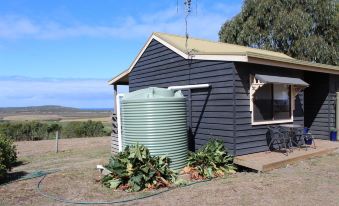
14, 27
206, 23
84, 93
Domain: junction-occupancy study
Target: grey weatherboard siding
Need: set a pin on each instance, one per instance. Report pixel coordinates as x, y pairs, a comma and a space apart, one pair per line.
317, 106
212, 109
320, 103
252, 138
223, 110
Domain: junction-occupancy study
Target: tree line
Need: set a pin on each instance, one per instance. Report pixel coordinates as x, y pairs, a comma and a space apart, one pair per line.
35, 130
305, 30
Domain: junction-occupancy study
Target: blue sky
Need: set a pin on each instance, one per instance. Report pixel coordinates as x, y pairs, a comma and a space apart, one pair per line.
63, 52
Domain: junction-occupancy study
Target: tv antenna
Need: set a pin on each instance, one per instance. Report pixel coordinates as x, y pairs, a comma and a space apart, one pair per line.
187, 10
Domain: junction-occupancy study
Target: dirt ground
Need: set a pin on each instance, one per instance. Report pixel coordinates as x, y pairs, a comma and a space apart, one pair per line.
29, 148
311, 182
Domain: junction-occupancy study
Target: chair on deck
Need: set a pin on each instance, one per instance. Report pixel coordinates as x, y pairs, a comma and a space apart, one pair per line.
304, 137
278, 136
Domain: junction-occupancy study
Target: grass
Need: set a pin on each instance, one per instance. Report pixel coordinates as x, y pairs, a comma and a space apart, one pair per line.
311, 182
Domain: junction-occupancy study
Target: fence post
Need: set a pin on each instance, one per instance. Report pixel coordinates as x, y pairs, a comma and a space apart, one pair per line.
57, 136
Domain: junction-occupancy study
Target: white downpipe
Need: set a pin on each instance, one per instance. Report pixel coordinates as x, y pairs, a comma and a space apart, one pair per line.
196, 86
119, 96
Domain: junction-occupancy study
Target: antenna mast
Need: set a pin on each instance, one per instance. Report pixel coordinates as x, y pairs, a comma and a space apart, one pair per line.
188, 5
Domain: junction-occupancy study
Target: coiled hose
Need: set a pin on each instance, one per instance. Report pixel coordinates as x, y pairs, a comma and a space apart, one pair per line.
31, 175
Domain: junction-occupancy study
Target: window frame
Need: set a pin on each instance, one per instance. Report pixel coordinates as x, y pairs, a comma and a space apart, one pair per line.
268, 122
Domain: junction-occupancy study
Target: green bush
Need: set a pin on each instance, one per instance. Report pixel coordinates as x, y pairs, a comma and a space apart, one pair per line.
210, 161
35, 130
135, 169
7, 156
30, 130
83, 129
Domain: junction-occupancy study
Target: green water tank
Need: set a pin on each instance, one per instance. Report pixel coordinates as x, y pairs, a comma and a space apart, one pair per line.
156, 118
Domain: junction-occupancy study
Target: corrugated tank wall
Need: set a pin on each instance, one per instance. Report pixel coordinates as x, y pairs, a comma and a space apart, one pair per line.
156, 118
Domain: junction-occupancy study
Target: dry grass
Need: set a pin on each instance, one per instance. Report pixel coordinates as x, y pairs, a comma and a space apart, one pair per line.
33, 149
50, 117
54, 117
311, 182
101, 119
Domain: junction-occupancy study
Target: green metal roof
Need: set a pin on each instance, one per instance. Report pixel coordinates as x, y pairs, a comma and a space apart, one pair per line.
204, 47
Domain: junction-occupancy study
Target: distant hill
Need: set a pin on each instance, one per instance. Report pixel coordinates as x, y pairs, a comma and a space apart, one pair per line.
48, 108
52, 112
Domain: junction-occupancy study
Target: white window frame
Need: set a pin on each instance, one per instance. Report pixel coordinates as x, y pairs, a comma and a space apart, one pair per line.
256, 84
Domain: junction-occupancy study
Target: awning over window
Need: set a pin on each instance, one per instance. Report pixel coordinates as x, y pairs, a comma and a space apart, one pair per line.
281, 80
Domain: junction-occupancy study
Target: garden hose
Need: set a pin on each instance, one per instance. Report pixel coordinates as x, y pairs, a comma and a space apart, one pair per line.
32, 175
60, 199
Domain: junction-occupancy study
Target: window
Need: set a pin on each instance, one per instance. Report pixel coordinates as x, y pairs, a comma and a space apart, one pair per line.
272, 102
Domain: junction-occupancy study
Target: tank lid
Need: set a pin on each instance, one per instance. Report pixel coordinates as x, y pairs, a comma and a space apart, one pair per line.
153, 93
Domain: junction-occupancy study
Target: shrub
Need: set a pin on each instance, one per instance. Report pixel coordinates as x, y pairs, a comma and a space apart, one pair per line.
7, 156
135, 169
210, 161
35, 130
83, 129
30, 130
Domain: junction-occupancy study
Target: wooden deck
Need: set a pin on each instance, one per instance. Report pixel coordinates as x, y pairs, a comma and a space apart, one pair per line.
265, 161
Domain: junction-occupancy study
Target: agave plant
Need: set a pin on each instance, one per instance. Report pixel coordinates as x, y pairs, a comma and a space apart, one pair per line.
210, 161
135, 169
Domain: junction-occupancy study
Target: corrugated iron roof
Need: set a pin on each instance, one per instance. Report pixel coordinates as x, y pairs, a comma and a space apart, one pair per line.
206, 47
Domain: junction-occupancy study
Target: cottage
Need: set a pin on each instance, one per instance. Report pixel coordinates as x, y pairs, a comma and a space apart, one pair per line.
249, 89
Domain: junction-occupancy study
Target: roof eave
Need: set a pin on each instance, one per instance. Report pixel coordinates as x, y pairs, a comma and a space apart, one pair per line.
118, 77
294, 64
